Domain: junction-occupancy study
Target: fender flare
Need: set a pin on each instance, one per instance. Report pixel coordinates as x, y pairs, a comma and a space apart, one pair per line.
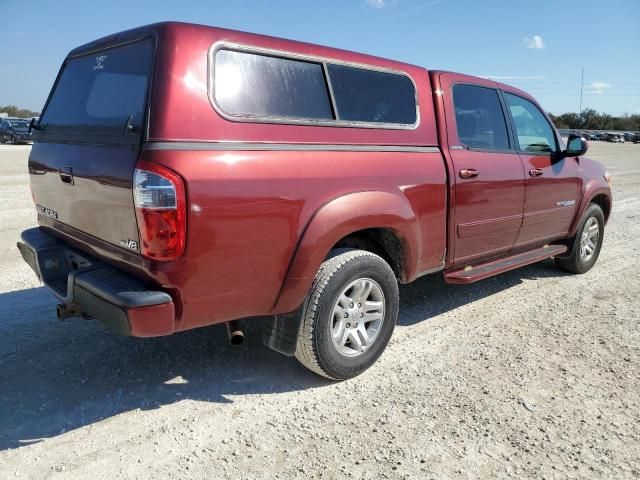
592, 189
337, 219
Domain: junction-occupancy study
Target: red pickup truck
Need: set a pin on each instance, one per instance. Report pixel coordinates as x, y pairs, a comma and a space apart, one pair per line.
186, 175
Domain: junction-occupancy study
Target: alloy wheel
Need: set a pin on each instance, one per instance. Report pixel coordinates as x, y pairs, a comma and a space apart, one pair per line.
589, 239
358, 314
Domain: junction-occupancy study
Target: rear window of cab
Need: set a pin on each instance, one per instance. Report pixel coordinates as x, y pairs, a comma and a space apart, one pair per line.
261, 87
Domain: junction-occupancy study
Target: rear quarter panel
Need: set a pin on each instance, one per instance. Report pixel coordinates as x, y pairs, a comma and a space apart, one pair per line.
249, 209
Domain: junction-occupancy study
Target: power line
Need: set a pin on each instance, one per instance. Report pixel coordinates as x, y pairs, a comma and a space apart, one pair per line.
628, 91
603, 94
545, 82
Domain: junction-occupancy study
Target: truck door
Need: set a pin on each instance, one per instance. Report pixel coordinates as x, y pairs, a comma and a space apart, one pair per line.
552, 187
488, 183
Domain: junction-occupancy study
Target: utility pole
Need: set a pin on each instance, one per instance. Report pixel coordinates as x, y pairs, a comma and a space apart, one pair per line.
581, 87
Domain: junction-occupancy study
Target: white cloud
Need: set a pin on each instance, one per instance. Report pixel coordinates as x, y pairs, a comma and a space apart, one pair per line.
394, 6
597, 87
417, 8
534, 42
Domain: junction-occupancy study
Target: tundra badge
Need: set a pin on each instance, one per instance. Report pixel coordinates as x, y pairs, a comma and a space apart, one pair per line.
47, 212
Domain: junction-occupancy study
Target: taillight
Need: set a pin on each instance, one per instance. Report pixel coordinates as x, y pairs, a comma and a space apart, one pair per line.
160, 203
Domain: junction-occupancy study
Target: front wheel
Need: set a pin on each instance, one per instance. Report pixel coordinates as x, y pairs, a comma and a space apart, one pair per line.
585, 246
351, 311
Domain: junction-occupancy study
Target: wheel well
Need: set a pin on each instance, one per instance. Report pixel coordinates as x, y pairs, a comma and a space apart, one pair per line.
381, 241
604, 203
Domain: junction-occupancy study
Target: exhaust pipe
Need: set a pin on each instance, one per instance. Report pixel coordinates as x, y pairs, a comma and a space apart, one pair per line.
63, 312
236, 336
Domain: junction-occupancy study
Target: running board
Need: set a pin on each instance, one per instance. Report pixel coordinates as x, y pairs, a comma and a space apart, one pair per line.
473, 273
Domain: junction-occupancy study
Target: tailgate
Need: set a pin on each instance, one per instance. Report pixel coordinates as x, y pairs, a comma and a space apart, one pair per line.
88, 142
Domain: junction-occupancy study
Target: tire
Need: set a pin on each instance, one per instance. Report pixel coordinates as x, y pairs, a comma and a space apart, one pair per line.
581, 259
13, 140
348, 272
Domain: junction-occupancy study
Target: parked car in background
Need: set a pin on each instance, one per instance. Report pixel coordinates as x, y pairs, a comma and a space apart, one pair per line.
14, 130
613, 137
241, 176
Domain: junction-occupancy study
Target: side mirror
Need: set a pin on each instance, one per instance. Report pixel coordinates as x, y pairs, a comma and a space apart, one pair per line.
576, 146
34, 125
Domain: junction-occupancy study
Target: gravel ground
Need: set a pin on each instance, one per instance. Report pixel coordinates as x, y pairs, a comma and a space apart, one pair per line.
533, 374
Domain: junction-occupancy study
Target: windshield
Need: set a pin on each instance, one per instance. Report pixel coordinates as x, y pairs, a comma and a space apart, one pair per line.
104, 89
19, 124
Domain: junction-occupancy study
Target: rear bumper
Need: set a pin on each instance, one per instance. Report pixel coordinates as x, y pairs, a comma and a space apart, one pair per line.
88, 287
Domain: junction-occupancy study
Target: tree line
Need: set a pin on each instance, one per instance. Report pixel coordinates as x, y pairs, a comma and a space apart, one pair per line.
13, 111
589, 119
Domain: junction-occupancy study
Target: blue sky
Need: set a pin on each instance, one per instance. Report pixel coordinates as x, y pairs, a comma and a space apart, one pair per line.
537, 45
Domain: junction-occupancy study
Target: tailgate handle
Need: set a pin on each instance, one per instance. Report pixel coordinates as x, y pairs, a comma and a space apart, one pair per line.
66, 175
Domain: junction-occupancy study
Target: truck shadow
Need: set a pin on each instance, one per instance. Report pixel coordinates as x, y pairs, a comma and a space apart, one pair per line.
430, 296
60, 376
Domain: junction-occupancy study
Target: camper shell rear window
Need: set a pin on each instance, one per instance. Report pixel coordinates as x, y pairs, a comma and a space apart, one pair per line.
105, 92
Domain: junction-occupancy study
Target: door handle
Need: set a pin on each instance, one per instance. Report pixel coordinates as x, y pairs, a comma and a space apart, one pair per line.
66, 175
535, 172
469, 173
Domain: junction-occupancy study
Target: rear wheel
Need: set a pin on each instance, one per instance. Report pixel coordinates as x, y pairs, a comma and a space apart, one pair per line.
350, 314
585, 246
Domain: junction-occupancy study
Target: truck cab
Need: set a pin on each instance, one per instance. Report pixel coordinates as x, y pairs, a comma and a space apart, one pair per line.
514, 184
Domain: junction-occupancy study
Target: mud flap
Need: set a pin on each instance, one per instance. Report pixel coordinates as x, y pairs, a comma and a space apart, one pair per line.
281, 332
